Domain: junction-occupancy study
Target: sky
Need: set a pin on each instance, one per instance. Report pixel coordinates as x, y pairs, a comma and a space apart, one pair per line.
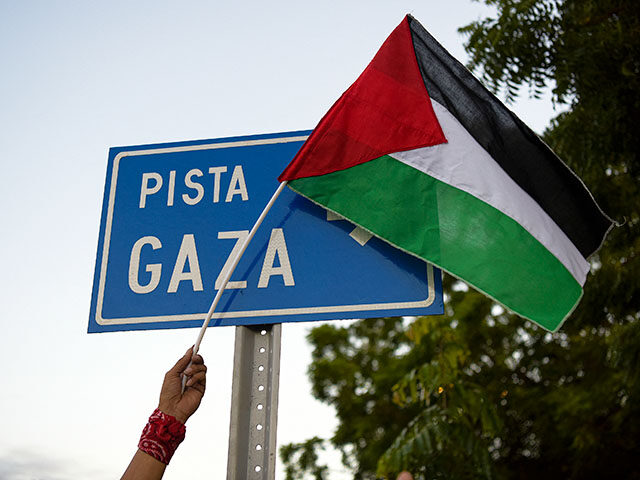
78, 77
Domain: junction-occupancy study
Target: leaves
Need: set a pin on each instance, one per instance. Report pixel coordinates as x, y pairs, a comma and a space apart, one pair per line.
302, 458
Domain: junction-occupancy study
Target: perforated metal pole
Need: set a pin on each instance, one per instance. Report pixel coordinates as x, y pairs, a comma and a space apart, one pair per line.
254, 403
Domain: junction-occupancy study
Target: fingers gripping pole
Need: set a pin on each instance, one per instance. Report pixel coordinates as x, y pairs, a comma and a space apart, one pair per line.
227, 277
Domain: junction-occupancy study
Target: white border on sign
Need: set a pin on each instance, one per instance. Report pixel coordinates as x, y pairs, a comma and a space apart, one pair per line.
248, 313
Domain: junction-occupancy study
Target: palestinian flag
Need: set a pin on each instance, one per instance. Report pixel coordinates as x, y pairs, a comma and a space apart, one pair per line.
420, 154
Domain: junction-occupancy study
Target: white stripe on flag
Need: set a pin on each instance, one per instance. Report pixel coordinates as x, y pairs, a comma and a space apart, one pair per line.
464, 164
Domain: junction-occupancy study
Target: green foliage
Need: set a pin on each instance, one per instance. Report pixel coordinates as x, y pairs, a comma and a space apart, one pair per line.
457, 424
515, 48
354, 369
481, 393
302, 458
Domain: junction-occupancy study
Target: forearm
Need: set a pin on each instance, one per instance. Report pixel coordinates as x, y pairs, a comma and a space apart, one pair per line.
144, 467
166, 429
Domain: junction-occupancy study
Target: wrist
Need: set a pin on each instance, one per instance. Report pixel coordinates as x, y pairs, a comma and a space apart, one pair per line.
161, 436
173, 412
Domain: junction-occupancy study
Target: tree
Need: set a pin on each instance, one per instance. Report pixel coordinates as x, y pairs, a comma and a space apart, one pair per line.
478, 392
302, 458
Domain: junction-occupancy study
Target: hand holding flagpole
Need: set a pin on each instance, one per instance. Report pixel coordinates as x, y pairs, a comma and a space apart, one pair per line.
227, 277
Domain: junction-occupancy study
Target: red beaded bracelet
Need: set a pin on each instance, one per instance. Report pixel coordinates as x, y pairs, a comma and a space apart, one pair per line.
161, 436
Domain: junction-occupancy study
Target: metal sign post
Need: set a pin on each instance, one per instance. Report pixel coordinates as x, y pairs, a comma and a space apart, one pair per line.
254, 403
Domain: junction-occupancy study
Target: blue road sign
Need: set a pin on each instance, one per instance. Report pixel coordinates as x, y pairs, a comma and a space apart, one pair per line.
174, 214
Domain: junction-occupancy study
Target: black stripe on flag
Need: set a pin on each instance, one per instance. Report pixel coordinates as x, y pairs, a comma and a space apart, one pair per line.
513, 145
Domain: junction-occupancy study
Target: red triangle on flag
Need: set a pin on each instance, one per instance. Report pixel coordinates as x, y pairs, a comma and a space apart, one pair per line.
386, 110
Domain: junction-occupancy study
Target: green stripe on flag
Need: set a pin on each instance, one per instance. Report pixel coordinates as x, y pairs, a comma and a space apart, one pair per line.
453, 230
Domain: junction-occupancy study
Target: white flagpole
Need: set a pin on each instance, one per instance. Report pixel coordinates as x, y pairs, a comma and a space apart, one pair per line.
216, 299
